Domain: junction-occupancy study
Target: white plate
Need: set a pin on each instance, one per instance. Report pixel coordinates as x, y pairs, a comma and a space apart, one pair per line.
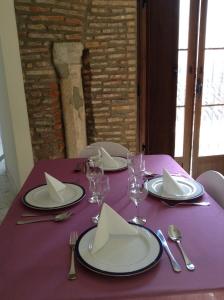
122, 164
192, 189
39, 198
123, 255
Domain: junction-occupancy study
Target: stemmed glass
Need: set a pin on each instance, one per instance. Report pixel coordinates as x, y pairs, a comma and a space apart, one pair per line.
136, 164
137, 193
97, 159
102, 188
93, 171
130, 163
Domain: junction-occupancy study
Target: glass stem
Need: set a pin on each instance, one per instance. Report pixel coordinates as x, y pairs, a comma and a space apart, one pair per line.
100, 203
94, 188
137, 207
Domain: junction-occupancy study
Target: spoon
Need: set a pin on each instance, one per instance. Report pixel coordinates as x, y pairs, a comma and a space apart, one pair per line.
175, 235
57, 218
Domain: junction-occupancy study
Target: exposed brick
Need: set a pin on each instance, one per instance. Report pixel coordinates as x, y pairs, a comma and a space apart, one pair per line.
36, 26
30, 57
47, 18
108, 30
114, 43
35, 94
33, 50
74, 37
65, 12
117, 10
40, 72
24, 1
42, 64
121, 108
55, 3
48, 36
22, 8
39, 9
114, 3
73, 21
64, 28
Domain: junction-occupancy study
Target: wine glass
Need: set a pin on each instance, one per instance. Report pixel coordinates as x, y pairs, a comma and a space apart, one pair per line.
102, 188
97, 159
136, 164
141, 163
130, 163
93, 171
137, 193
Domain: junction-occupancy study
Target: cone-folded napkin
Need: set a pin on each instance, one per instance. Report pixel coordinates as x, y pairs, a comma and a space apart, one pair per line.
107, 160
170, 185
110, 223
57, 190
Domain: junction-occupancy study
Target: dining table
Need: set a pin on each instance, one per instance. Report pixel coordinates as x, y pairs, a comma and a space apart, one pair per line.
35, 258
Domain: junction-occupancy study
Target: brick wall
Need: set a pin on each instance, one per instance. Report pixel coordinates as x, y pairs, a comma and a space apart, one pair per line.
107, 29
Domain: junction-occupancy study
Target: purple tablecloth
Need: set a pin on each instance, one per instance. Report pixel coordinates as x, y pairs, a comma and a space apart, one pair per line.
35, 258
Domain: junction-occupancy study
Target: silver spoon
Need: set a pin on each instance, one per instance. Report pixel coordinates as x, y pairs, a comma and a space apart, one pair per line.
57, 218
175, 235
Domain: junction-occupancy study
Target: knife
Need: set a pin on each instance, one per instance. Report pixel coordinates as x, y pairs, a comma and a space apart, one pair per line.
174, 263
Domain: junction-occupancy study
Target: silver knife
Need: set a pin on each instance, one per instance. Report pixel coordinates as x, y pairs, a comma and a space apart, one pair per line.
174, 263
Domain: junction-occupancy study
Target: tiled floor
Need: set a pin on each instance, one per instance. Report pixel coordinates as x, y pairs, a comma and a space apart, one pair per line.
6, 195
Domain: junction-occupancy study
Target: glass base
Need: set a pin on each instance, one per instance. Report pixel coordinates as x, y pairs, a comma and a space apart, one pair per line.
138, 220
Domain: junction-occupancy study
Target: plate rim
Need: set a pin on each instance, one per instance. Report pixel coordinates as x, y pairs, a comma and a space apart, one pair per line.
176, 198
118, 274
55, 207
119, 168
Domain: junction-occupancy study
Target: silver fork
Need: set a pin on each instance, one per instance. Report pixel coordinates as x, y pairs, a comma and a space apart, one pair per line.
72, 242
203, 203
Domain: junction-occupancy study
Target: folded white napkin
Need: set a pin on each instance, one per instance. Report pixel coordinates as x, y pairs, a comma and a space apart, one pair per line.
57, 190
110, 223
107, 160
170, 186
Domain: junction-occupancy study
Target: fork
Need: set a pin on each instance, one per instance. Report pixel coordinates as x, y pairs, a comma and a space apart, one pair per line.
203, 203
72, 242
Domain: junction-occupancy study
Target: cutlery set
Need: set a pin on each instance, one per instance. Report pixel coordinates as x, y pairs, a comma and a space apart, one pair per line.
175, 235
56, 218
37, 218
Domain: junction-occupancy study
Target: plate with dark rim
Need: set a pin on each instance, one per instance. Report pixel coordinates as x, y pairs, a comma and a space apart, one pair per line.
122, 165
122, 255
192, 189
39, 198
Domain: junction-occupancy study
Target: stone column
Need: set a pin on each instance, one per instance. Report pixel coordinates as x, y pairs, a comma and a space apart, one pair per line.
67, 59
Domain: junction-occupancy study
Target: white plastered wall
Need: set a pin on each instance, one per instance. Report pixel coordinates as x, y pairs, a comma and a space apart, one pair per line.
13, 111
